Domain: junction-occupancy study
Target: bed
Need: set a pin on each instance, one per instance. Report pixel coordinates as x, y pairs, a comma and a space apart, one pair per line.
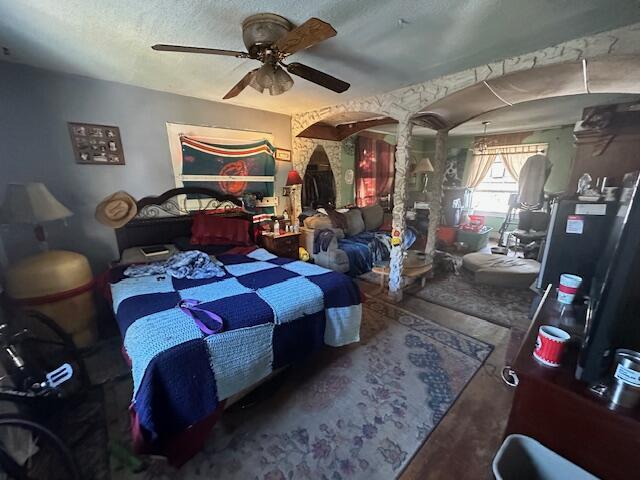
275, 312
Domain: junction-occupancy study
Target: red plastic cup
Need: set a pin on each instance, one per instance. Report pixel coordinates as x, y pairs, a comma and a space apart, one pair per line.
550, 345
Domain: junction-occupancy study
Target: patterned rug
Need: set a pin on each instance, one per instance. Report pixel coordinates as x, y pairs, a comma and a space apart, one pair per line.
358, 412
508, 307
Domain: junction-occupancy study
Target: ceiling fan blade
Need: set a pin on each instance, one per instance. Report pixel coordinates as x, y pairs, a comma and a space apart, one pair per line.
309, 33
316, 76
210, 51
241, 85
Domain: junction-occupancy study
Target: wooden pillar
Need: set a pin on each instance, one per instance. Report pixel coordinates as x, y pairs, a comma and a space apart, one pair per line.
399, 205
435, 180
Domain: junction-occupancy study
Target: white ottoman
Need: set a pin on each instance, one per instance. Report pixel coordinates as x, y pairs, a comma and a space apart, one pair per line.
501, 270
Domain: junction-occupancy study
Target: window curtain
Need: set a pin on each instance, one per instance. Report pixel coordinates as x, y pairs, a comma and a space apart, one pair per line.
479, 167
514, 157
374, 170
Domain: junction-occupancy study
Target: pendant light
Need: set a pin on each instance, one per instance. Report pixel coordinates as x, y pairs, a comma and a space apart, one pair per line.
482, 144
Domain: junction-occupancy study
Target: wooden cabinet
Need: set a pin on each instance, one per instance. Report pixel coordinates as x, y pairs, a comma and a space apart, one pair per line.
607, 143
551, 406
285, 245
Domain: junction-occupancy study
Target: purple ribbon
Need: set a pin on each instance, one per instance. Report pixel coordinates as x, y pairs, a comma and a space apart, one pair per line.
189, 307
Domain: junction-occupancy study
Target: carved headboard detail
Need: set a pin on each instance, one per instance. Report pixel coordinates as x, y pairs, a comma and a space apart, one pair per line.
185, 201
162, 219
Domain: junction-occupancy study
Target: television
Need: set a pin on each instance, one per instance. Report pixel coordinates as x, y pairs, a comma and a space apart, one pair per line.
613, 314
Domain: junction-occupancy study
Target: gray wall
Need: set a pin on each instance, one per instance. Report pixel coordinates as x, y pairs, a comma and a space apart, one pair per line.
35, 106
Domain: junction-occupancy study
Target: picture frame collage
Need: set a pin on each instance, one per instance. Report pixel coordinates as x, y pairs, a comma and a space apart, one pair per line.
96, 144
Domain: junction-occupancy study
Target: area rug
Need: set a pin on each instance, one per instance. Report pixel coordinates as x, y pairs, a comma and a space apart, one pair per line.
508, 307
356, 412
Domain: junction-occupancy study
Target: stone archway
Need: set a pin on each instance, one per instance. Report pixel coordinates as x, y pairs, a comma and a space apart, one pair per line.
319, 159
303, 148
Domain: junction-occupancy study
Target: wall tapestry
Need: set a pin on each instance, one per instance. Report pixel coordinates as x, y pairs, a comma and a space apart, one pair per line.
96, 144
217, 166
227, 160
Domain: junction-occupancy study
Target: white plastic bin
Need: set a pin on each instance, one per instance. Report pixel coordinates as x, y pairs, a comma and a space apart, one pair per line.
523, 458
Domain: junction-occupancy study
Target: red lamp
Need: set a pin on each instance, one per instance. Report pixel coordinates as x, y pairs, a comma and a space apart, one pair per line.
293, 180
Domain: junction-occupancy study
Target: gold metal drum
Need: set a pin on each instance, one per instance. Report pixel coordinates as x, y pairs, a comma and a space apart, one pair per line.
58, 284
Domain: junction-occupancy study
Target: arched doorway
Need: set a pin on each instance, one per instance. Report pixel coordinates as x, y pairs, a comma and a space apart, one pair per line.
319, 184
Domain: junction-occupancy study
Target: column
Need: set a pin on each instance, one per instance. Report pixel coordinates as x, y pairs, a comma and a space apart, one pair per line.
399, 206
435, 180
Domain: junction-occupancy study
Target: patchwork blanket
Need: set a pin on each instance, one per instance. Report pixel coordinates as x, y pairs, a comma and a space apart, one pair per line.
275, 312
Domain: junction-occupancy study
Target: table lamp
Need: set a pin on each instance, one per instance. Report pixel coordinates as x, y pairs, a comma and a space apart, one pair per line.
424, 166
32, 204
293, 180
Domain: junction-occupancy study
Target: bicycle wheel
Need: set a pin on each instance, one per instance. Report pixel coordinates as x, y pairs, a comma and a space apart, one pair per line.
30, 451
48, 346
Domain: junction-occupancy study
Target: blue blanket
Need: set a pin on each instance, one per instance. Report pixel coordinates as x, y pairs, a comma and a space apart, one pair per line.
364, 249
275, 311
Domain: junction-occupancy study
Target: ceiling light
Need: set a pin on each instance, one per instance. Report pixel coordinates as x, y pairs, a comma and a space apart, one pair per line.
482, 145
282, 82
265, 74
272, 78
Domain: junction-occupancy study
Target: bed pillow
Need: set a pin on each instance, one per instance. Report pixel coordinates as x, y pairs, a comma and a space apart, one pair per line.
372, 216
355, 223
215, 230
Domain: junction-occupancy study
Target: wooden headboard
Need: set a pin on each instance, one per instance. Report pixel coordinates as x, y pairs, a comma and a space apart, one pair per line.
162, 219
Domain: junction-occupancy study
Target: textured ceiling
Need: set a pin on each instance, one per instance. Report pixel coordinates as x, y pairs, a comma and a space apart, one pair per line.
534, 115
381, 45
539, 114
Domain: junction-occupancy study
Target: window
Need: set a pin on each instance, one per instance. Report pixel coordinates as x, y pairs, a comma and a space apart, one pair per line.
492, 194
500, 181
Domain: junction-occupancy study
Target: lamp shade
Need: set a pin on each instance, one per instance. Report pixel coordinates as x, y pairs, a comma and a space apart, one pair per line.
293, 178
423, 166
31, 203
272, 78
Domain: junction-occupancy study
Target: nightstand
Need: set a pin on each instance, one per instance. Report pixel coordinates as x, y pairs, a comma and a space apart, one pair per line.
284, 245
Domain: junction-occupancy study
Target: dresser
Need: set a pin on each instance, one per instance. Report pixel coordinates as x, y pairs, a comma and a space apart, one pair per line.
284, 245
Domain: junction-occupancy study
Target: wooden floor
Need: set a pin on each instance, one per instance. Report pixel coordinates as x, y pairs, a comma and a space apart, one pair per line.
462, 446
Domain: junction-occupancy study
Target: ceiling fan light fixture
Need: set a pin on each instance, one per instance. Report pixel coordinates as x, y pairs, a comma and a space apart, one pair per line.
255, 85
282, 82
272, 78
265, 76
270, 39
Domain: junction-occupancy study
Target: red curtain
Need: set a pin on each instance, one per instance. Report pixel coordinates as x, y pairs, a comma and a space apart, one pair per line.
374, 170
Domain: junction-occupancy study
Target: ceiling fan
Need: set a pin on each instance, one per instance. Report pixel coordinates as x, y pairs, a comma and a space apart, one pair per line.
270, 39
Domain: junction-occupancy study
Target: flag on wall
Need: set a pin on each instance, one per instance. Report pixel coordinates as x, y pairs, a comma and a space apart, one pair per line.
254, 160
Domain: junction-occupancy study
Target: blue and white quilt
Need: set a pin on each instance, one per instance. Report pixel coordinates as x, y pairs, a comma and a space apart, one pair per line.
275, 312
